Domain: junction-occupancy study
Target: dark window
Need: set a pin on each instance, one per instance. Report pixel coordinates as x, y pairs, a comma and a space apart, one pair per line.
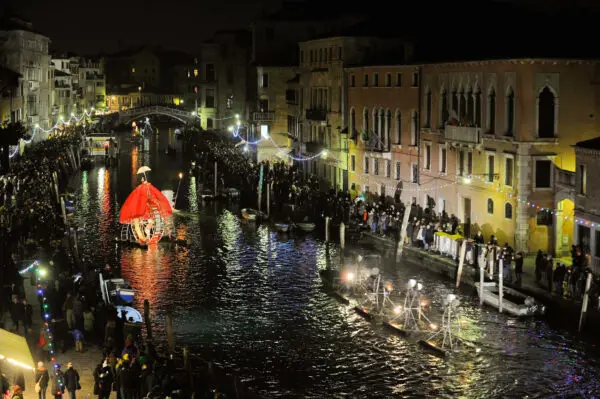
543, 172
263, 105
415, 79
582, 179
510, 112
508, 211
352, 124
443, 161
491, 164
210, 98
415, 173
352, 81
546, 115
353, 163
470, 107
376, 79
444, 105
478, 109
290, 96
508, 172
388, 80
455, 102
209, 123
265, 80
462, 106
428, 108
210, 72
366, 80
544, 218
461, 163
398, 79
366, 165
597, 249
490, 206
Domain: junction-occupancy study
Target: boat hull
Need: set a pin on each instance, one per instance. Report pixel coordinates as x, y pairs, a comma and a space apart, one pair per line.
307, 227
528, 307
282, 227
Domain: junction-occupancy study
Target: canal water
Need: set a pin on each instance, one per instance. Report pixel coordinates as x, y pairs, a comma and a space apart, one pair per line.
251, 300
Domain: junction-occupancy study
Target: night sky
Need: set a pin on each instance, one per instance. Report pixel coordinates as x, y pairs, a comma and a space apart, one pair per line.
89, 27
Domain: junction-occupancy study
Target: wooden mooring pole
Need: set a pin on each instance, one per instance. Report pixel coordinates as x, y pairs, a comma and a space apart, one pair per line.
147, 320
170, 337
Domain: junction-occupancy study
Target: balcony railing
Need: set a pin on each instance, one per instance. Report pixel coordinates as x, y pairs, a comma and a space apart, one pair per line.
263, 116
316, 114
565, 178
463, 134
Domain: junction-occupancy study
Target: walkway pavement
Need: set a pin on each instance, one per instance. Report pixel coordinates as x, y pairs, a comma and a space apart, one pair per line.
84, 363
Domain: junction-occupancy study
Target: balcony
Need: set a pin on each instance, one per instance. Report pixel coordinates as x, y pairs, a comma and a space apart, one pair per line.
316, 114
565, 179
268, 116
94, 76
463, 134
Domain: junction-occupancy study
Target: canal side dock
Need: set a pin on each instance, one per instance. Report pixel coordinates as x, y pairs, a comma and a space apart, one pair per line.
567, 311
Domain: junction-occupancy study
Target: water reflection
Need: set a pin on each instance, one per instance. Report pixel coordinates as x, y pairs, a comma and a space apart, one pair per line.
251, 299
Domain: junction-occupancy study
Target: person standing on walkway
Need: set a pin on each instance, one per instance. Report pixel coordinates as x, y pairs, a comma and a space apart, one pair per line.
72, 381
518, 268
68, 308
549, 267
559, 278
27, 318
17, 313
41, 380
539, 266
78, 337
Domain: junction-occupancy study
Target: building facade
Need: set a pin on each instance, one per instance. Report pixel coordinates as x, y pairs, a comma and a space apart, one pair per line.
383, 102
507, 129
587, 199
25, 51
11, 100
324, 98
62, 95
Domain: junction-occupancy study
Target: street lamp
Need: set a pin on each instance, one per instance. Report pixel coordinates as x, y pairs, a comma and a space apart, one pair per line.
140, 91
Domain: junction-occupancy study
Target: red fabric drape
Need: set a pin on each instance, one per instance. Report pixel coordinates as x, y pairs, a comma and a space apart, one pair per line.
141, 201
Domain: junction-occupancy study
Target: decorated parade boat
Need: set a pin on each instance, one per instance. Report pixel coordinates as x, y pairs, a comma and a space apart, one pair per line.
283, 227
514, 302
252, 215
306, 226
146, 214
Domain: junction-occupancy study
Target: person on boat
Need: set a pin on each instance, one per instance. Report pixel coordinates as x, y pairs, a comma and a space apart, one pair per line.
518, 268
539, 266
549, 267
559, 278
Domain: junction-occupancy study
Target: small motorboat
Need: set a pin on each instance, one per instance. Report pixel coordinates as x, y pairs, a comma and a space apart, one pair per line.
116, 292
283, 227
252, 215
514, 303
306, 226
231, 193
207, 195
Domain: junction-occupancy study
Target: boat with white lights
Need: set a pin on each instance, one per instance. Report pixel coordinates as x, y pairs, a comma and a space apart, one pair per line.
117, 292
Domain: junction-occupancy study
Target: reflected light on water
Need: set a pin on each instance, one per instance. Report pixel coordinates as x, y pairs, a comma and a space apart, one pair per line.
85, 193
192, 195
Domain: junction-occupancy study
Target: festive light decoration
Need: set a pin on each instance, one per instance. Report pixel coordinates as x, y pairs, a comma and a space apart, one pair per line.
60, 121
47, 316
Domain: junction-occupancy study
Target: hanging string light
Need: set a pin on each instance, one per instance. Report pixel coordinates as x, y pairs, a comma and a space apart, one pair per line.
60, 122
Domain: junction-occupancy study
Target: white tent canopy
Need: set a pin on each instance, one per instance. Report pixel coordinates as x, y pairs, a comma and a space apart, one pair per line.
14, 350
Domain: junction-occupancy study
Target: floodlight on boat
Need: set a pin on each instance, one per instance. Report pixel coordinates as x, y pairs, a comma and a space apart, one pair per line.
433, 326
360, 258
349, 276
388, 286
411, 283
419, 286
398, 309
424, 303
374, 272
450, 298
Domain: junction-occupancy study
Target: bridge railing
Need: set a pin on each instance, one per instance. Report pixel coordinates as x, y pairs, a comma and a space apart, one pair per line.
156, 109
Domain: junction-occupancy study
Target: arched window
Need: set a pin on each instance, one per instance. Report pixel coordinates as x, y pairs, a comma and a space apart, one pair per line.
491, 120
510, 112
380, 128
477, 96
508, 210
375, 122
490, 206
443, 108
462, 106
388, 129
365, 126
398, 127
546, 113
470, 108
455, 102
352, 131
428, 108
413, 127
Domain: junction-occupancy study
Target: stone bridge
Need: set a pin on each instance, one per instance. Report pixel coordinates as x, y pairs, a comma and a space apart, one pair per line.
135, 113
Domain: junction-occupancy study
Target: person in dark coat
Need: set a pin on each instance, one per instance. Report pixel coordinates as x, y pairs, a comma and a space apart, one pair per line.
42, 378
103, 380
17, 312
477, 247
559, 277
540, 265
518, 268
72, 381
549, 267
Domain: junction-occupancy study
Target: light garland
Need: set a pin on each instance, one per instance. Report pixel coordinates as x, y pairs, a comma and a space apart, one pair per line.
47, 315
60, 121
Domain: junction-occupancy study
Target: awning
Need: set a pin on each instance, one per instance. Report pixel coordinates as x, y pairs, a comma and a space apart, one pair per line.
14, 349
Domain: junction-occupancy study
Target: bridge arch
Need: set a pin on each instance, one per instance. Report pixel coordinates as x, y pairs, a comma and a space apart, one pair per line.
132, 114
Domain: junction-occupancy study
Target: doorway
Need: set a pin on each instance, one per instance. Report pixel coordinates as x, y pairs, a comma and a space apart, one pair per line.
467, 217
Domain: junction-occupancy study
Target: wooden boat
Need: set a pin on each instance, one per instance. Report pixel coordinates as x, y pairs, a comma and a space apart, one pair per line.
230, 193
306, 226
252, 215
282, 227
116, 292
514, 303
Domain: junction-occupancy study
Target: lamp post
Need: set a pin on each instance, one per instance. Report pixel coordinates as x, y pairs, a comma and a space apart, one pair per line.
140, 92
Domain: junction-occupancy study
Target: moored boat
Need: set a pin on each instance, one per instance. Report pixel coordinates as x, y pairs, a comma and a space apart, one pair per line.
514, 302
306, 226
207, 195
282, 227
252, 215
118, 293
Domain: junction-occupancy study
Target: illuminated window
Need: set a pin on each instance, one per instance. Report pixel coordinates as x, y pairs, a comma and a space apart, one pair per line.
133, 70
195, 73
